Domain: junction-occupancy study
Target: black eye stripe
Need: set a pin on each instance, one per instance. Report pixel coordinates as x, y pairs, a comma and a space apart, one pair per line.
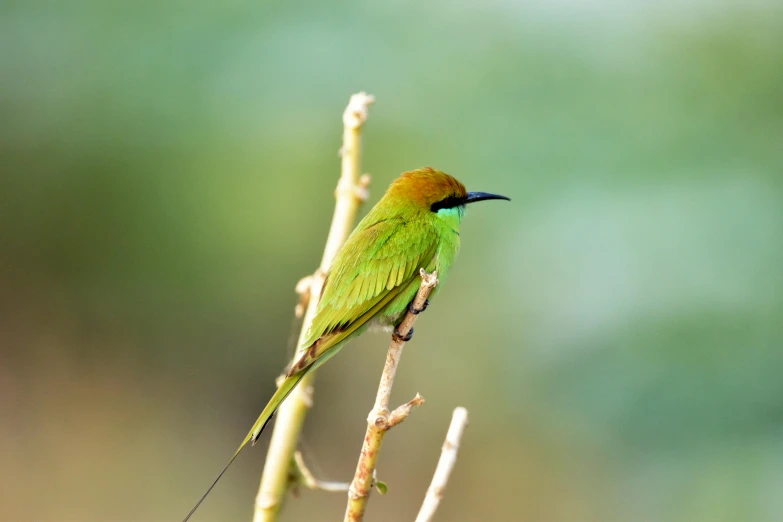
447, 202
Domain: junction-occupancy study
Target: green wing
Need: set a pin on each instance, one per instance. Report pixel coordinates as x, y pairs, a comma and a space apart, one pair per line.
375, 264
378, 261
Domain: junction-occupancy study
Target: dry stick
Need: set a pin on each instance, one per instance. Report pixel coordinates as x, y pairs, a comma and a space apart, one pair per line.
380, 420
448, 457
306, 477
351, 192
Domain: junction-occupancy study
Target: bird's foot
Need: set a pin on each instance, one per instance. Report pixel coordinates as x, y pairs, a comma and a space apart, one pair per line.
417, 311
399, 338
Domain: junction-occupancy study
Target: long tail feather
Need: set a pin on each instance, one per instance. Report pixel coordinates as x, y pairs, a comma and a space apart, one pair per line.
282, 392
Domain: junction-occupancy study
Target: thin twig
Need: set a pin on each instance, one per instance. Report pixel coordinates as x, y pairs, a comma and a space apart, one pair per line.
448, 457
306, 477
380, 419
351, 192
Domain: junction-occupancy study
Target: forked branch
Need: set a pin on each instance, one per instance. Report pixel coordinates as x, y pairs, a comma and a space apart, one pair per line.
381, 419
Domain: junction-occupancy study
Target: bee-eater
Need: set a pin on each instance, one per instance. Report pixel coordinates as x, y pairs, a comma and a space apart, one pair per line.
375, 275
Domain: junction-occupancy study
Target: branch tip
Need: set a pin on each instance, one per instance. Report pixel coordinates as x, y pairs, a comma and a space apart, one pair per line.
448, 458
356, 112
304, 476
401, 412
427, 279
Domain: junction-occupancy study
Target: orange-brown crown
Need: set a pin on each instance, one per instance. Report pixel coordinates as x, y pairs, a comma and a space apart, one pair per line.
426, 186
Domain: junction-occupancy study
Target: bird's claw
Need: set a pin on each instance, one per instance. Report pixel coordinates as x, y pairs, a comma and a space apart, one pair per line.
417, 311
399, 338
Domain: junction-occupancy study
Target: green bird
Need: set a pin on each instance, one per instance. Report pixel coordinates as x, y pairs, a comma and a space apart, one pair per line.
375, 275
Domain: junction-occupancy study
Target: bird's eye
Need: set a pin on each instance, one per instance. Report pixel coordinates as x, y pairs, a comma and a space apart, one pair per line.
447, 202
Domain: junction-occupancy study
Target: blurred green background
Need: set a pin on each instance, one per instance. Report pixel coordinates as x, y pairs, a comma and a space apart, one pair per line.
166, 177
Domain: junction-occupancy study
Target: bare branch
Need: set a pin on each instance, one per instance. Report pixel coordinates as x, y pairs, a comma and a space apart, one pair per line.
401, 412
380, 419
306, 477
448, 457
351, 192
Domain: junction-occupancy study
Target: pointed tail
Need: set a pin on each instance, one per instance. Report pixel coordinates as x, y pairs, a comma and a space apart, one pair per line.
282, 392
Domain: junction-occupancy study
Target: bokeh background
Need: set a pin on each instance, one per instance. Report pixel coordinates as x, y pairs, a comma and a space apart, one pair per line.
166, 177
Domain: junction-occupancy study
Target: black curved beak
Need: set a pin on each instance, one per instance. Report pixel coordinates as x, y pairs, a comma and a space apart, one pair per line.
481, 196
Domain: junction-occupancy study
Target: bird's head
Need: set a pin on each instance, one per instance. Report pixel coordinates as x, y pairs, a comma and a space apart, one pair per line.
431, 190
